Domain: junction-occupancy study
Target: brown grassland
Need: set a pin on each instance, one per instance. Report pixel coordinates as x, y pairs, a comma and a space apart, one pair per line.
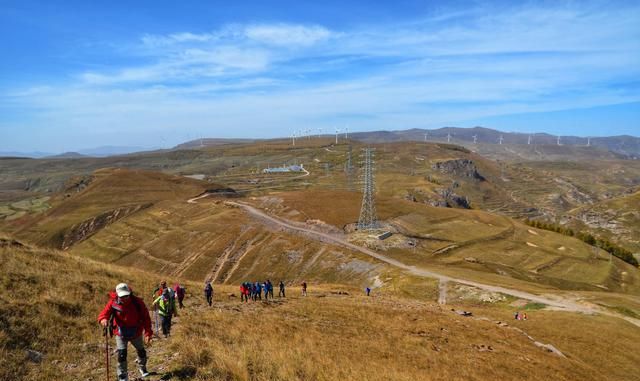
136, 225
334, 333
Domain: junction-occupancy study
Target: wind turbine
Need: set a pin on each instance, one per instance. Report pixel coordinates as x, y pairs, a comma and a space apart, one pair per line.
426, 134
588, 142
558, 140
337, 132
475, 139
529, 140
501, 139
448, 137
293, 138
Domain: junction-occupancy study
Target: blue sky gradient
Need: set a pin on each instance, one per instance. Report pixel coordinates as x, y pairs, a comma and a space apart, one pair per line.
79, 74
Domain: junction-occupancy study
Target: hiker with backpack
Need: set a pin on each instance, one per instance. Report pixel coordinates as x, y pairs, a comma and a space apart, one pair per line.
127, 316
270, 288
265, 288
304, 288
258, 291
243, 292
160, 289
208, 292
166, 309
281, 293
180, 291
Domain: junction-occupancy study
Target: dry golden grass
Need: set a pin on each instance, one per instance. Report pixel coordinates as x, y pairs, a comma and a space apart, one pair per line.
109, 190
327, 336
52, 300
49, 304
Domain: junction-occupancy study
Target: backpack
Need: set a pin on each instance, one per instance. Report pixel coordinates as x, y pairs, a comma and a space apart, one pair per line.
125, 332
180, 291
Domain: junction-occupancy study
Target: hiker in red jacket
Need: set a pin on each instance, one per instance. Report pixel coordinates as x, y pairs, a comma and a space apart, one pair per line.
129, 317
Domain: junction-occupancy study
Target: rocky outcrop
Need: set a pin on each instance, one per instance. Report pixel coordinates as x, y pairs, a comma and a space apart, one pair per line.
451, 200
442, 198
77, 184
224, 192
459, 167
87, 228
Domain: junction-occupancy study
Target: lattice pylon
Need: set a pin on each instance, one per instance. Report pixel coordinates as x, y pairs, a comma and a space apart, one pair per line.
368, 219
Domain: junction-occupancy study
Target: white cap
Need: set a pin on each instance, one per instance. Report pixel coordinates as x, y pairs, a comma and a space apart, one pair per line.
123, 289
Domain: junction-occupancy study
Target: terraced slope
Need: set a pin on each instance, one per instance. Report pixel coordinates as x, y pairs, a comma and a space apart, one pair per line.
617, 220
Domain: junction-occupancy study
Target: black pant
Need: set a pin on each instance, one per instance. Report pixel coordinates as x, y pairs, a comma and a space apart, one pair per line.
281, 293
209, 297
165, 322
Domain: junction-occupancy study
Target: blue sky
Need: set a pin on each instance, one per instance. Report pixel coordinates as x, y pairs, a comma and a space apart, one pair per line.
78, 74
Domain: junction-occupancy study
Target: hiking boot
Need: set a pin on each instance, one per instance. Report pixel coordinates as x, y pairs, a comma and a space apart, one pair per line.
143, 372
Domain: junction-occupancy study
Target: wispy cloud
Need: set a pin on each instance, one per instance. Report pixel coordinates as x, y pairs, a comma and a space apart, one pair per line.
435, 70
287, 35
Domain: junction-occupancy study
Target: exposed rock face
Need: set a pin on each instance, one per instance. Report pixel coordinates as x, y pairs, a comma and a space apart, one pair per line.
452, 200
85, 229
225, 192
459, 167
78, 184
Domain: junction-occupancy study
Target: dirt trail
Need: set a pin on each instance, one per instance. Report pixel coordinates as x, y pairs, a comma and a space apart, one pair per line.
442, 292
558, 302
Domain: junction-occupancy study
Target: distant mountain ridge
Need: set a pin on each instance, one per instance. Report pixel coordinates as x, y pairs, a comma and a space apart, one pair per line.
67, 155
102, 151
625, 145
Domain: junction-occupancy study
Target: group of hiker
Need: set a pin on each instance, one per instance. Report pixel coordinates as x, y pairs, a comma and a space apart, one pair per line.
256, 290
126, 317
520, 315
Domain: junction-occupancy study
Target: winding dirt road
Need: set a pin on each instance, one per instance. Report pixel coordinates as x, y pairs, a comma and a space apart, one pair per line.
558, 302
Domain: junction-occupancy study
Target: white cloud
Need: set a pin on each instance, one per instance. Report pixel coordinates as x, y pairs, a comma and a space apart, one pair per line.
287, 35
175, 38
424, 73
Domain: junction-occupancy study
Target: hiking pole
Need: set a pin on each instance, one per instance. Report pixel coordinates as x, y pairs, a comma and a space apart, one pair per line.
106, 342
157, 329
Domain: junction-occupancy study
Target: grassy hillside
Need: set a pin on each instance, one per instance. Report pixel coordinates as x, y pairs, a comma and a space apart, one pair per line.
107, 190
334, 333
209, 239
50, 305
483, 246
617, 220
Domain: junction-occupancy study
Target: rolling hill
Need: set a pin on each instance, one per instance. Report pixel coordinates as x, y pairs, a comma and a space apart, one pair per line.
403, 338
212, 213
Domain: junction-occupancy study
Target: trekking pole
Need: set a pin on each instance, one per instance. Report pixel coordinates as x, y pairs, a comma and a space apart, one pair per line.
157, 329
106, 342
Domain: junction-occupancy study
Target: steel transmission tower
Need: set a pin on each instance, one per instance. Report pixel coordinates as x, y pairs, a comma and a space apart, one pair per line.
367, 220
